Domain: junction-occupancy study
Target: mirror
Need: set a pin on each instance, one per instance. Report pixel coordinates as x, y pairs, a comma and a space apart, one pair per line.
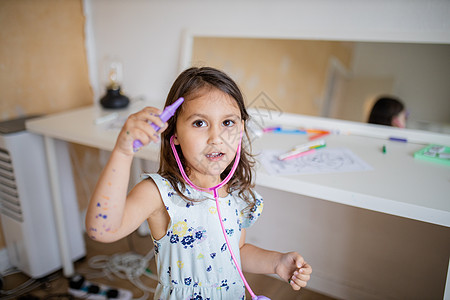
336, 79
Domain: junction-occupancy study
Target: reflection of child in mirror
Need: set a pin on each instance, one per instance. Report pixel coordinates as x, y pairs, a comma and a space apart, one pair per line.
388, 111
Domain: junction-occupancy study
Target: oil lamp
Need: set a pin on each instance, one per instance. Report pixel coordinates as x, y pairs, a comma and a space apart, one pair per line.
114, 98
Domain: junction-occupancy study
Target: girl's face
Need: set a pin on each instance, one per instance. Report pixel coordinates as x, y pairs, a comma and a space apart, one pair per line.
208, 131
399, 120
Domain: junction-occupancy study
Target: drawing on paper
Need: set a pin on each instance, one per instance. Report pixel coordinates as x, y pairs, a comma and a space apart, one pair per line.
329, 160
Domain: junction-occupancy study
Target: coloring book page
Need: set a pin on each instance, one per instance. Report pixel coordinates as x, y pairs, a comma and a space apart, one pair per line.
328, 160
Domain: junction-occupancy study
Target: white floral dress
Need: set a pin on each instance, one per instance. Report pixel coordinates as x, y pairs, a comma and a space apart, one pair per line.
193, 260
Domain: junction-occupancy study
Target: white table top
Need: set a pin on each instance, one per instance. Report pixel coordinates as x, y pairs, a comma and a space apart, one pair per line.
78, 126
398, 184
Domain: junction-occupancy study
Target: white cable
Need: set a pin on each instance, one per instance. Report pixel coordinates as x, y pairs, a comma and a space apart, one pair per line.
129, 266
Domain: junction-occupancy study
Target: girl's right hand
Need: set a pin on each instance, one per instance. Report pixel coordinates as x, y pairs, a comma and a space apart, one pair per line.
137, 128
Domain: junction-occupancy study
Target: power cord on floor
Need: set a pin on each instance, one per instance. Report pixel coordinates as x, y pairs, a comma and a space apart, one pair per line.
130, 266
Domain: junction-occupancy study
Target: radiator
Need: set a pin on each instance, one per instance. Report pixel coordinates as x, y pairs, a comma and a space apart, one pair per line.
26, 211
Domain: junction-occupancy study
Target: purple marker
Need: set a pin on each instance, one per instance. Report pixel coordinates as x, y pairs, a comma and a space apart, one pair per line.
398, 139
168, 112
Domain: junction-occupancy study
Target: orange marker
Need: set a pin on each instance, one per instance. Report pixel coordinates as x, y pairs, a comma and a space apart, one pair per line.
315, 131
314, 137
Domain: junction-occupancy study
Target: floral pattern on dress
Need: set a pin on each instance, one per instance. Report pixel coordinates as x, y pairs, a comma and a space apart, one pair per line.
193, 259
188, 237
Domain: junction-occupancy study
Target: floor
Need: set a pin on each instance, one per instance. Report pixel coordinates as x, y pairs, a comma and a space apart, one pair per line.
99, 254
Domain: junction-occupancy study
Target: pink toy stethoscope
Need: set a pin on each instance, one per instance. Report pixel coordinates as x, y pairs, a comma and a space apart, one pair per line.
215, 190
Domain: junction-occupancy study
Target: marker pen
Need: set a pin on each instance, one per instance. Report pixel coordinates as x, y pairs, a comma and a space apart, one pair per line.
311, 151
398, 139
270, 129
316, 131
303, 148
168, 112
279, 129
289, 131
314, 137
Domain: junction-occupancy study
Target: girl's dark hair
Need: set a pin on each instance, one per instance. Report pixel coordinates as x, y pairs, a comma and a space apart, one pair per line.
384, 110
191, 84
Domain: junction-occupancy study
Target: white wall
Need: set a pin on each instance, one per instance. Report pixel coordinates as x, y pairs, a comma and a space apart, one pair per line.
146, 35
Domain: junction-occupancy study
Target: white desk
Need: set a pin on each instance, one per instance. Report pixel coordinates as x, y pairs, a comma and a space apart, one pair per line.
78, 126
399, 185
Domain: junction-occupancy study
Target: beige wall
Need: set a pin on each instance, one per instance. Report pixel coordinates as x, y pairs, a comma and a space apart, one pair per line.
43, 65
292, 73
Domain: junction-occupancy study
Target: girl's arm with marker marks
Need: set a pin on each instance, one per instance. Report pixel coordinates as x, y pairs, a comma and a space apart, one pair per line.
112, 214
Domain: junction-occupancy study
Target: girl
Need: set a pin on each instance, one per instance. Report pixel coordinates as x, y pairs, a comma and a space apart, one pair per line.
205, 136
388, 111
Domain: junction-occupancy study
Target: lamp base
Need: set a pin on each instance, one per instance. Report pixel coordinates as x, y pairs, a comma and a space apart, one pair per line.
114, 99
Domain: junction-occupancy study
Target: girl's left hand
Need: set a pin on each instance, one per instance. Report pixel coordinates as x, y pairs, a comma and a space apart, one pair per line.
293, 268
